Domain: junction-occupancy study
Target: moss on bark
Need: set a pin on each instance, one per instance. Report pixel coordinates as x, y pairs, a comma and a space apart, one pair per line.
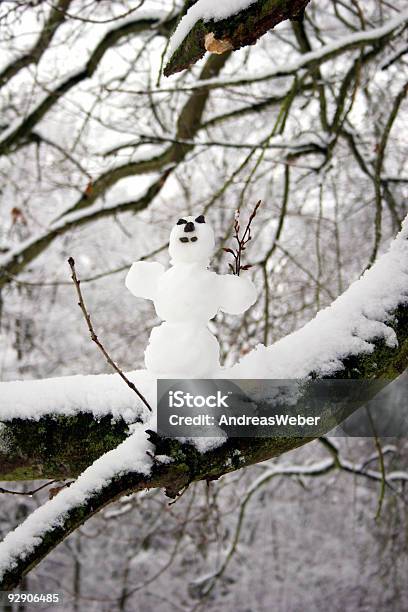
62, 447
54, 443
56, 447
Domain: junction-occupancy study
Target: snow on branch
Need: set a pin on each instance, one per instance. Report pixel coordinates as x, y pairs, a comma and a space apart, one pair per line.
16, 259
307, 60
100, 395
55, 19
363, 334
352, 325
221, 26
131, 455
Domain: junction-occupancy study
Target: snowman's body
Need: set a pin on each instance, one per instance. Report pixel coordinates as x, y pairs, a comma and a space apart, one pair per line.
186, 297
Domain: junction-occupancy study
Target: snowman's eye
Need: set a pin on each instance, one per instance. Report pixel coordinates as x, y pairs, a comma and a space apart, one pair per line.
181, 222
200, 219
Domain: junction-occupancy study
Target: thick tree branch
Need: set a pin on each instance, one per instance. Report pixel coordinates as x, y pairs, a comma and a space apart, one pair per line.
63, 446
236, 31
56, 447
384, 362
309, 61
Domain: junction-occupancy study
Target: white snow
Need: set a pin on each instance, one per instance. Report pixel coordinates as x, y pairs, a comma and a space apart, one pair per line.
130, 456
206, 10
186, 297
165, 459
323, 53
348, 326
100, 395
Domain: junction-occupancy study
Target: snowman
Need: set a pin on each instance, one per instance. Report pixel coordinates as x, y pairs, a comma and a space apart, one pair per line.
186, 297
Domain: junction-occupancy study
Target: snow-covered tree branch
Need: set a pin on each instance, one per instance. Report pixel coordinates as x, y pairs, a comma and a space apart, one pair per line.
100, 156
220, 27
364, 334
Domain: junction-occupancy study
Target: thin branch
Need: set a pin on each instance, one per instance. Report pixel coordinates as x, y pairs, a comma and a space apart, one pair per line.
15, 261
77, 17
381, 464
241, 241
94, 337
28, 493
88, 279
378, 169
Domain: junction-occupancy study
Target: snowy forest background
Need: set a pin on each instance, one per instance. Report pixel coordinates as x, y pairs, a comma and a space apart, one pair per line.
326, 150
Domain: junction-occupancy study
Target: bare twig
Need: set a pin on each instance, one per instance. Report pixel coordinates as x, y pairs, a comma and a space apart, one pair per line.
78, 17
55, 490
178, 496
380, 463
95, 338
27, 493
378, 169
241, 241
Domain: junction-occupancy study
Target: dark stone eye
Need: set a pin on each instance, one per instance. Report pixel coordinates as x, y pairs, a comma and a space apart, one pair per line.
181, 222
200, 219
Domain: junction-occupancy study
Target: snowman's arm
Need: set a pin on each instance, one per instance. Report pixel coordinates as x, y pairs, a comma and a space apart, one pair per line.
237, 294
143, 278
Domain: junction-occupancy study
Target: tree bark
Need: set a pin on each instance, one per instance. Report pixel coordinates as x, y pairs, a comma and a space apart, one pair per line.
187, 465
239, 30
61, 447
63, 450
56, 447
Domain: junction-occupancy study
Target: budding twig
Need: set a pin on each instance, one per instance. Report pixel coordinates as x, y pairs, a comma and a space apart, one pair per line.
27, 493
95, 338
241, 241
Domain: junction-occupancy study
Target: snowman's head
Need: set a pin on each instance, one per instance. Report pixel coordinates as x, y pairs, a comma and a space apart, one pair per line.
191, 241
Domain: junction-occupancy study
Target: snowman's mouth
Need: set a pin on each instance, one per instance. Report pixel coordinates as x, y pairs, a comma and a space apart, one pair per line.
185, 239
